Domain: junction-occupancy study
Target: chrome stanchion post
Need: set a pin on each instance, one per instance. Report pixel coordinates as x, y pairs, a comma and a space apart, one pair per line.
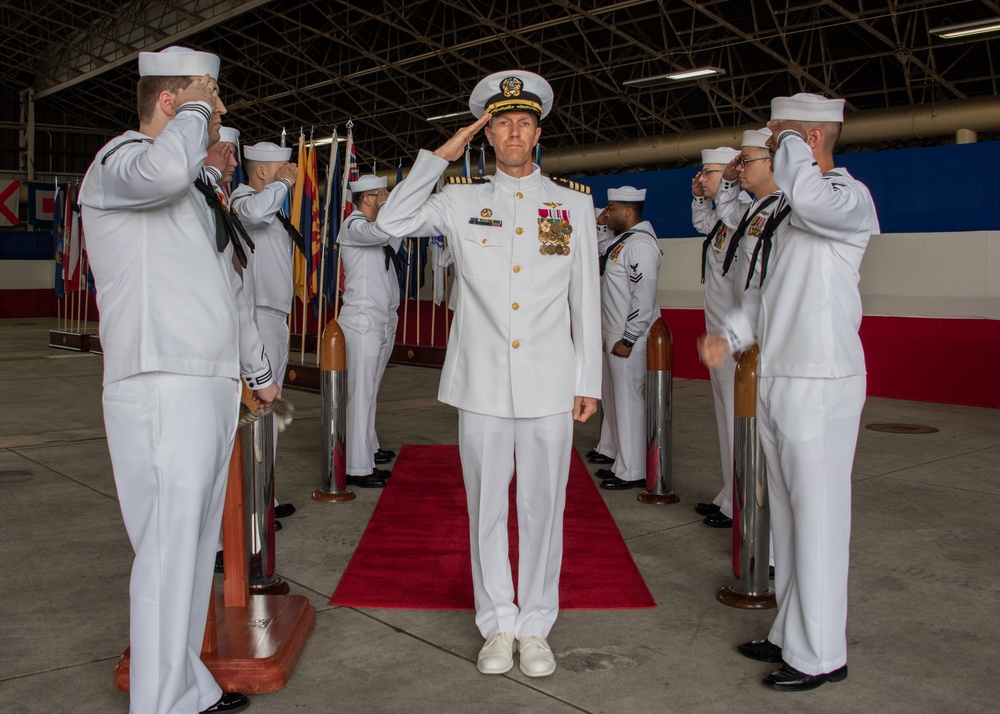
257, 437
659, 416
333, 392
751, 517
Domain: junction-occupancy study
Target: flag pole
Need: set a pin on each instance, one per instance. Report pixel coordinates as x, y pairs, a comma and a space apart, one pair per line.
305, 288
348, 147
324, 241
86, 286
416, 289
406, 292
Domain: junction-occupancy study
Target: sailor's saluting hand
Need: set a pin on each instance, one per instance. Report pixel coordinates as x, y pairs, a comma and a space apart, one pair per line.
454, 148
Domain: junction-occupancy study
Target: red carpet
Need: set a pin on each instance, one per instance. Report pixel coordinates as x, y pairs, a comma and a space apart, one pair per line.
415, 552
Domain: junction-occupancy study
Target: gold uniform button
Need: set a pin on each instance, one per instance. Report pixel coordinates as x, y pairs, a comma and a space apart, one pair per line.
519, 194
517, 268
515, 344
484, 241
519, 230
515, 306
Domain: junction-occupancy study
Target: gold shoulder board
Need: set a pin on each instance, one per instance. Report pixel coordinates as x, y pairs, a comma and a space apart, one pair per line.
571, 184
464, 180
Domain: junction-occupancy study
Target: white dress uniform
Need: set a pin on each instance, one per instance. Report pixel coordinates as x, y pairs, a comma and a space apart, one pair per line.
269, 274
368, 316
720, 298
628, 308
810, 394
525, 341
177, 333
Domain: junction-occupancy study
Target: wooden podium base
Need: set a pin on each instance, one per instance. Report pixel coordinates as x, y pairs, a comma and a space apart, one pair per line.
258, 645
658, 499
75, 341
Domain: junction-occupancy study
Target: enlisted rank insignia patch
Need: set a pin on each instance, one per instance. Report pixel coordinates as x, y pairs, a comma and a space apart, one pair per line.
486, 213
554, 231
492, 223
511, 87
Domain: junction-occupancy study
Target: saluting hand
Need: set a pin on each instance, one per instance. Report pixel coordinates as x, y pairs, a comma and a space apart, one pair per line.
288, 171
454, 148
732, 171
696, 188
201, 89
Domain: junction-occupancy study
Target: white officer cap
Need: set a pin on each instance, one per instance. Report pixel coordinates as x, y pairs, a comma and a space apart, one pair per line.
266, 151
178, 62
369, 182
756, 137
512, 90
722, 155
229, 135
807, 107
627, 194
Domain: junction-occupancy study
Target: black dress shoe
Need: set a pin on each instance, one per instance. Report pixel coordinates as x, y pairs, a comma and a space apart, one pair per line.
718, 520
706, 509
283, 510
760, 650
369, 481
770, 572
384, 456
230, 702
277, 526
789, 679
604, 473
616, 484
218, 562
382, 473
596, 457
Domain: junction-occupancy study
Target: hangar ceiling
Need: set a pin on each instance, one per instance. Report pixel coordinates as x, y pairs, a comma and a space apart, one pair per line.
389, 66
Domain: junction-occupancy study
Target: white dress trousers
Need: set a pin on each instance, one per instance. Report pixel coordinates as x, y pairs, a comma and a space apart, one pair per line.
624, 398
810, 453
489, 446
170, 438
366, 342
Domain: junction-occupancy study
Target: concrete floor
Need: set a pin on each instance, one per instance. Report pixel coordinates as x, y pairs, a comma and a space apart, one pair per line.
925, 582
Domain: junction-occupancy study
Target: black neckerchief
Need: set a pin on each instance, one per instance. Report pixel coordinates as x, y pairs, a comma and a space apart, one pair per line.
392, 257
741, 229
228, 227
603, 259
719, 225
293, 232
763, 246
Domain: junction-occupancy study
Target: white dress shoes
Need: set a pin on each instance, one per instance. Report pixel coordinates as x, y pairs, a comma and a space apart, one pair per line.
536, 658
497, 655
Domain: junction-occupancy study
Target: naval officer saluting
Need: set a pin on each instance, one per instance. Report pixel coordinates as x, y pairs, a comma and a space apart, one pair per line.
524, 353
177, 333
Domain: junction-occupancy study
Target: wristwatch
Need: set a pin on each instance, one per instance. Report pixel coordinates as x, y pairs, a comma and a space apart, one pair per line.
629, 344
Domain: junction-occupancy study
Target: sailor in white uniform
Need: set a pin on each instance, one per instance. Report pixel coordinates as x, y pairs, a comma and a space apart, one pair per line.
268, 279
811, 388
177, 334
630, 269
524, 353
720, 298
368, 317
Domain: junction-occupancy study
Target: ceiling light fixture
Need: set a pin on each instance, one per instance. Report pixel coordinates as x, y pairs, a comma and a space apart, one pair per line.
446, 117
969, 29
695, 73
329, 140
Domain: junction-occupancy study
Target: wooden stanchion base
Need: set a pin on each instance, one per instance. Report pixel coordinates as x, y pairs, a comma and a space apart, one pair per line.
658, 499
75, 341
276, 587
258, 645
328, 497
764, 601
